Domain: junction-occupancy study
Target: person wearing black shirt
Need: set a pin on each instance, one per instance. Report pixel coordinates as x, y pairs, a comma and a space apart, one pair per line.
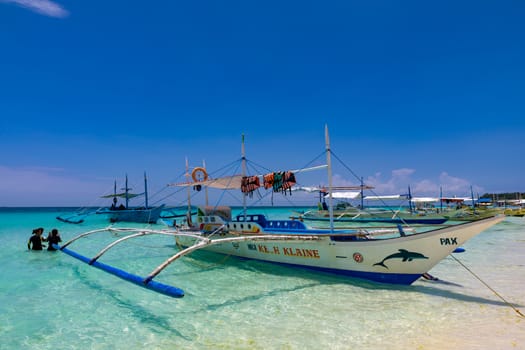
53, 238
35, 241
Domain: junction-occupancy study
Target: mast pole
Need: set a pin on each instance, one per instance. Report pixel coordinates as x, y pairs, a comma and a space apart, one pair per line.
205, 187
362, 194
472, 197
146, 190
329, 163
188, 179
441, 198
243, 173
127, 191
410, 201
114, 195
188, 214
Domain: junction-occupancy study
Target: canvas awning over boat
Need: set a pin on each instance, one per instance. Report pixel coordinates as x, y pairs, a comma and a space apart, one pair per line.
387, 197
233, 182
338, 189
425, 199
346, 195
224, 183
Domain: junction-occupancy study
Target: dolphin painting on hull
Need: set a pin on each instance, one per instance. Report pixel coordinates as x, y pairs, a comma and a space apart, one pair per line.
404, 255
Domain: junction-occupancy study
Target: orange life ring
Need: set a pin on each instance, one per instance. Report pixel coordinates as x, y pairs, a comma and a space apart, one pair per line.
196, 171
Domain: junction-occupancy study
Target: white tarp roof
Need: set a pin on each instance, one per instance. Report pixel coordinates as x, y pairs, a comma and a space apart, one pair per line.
346, 195
388, 197
234, 182
425, 199
225, 183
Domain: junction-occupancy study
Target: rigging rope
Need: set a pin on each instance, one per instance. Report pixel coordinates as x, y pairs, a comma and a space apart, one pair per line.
489, 287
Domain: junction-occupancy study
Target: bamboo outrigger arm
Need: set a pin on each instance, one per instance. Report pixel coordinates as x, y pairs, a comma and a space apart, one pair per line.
107, 229
139, 234
205, 242
142, 232
158, 287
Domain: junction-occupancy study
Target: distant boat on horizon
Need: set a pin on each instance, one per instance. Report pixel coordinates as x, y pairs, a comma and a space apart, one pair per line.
126, 213
348, 213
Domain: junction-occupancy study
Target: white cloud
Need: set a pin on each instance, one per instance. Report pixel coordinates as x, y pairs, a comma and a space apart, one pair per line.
456, 186
402, 173
400, 179
44, 7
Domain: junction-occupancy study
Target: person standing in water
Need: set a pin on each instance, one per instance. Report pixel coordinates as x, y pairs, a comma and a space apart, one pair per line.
53, 238
35, 241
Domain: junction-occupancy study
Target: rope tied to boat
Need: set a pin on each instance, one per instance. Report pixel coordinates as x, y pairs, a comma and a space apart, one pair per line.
520, 314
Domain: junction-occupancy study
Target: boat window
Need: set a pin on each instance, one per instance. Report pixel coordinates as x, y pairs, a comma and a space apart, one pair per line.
212, 219
242, 226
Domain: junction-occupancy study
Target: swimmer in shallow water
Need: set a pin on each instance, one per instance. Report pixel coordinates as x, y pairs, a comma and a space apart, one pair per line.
36, 239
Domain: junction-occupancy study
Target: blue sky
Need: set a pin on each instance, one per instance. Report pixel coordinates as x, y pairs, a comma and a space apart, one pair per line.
415, 93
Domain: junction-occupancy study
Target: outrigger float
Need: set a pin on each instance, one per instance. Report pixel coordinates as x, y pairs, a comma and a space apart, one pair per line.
396, 255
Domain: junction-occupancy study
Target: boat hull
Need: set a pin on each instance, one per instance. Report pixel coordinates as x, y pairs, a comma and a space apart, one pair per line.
519, 212
472, 215
398, 260
147, 216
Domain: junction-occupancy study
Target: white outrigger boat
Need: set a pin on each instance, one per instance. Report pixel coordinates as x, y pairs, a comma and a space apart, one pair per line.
397, 256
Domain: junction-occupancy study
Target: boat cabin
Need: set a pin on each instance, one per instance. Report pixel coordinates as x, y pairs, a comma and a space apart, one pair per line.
246, 223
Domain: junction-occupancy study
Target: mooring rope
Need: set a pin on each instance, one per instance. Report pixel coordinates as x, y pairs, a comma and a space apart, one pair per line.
489, 287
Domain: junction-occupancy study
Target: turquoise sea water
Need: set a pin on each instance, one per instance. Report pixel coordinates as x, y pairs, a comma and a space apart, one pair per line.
49, 300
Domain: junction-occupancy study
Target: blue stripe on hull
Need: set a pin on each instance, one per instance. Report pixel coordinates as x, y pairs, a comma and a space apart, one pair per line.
390, 278
139, 281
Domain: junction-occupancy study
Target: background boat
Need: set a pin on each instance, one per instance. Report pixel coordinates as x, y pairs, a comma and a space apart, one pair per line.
345, 212
126, 213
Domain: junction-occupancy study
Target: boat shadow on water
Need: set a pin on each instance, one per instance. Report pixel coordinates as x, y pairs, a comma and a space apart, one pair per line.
143, 315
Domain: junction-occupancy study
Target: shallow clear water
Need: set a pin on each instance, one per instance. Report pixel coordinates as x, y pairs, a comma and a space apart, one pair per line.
49, 300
